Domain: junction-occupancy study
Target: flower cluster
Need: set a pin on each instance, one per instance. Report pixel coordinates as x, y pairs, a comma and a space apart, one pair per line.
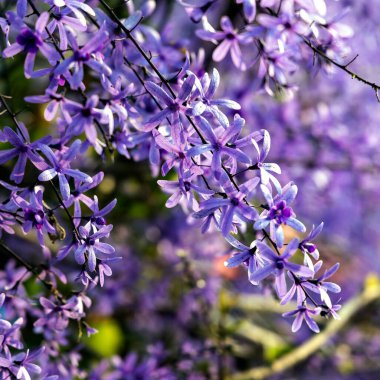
281, 35
115, 87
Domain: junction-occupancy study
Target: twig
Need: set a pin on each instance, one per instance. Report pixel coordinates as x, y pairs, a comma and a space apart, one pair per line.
345, 68
32, 270
302, 352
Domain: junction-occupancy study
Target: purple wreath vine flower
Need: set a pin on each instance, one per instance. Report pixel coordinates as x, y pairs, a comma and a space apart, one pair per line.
97, 219
63, 22
202, 98
84, 118
86, 55
9, 333
285, 26
320, 286
279, 213
31, 42
20, 364
60, 168
218, 142
277, 265
303, 313
230, 42
176, 154
90, 248
75, 6
184, 187
77, 196
233, 205
34, 215
56, 315
173, 108
266, 169
54, 100
308, 248
23, 149
249, 256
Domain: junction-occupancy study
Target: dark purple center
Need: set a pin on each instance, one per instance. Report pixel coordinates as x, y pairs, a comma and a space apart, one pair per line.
29, 41
235, 201
280, 212
100, 221
310, 247
81, 57
23, 149
174, 107
280, 264
216, 147
86, 112
36, 217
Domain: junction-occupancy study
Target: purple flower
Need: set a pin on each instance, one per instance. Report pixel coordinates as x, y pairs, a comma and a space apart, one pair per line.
320, 286
277, 265
230, 42
54, 100
56, 315
286, 26
233, 205
10, 333
296, 288
34, 215
309, 248
248, 256
303, 313
97, 219
11, 276
173, 108
90, 247
77, 195
31, 42
279, 213
62, 22
75, 6
184, 187
203, 103
61, 169
84, 56
273, 66
84, 118
266, 169
218, 142
177, 154
23, 149
20, 365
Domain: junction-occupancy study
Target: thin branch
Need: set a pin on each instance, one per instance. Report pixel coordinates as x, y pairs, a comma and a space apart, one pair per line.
345, 68
302, 352
32, 270
12, 116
